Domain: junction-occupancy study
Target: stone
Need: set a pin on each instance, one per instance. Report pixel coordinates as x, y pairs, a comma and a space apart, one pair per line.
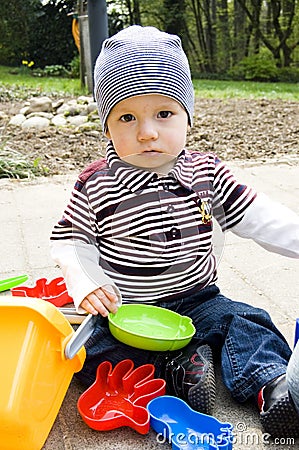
17, 120
94, 133
84, 100
38, 123
40, 104
63, 109
76, 120
87, 126
72, 102
59, 120
91, 107
57, 104
24, 110
40, 114
74, 112
3, 115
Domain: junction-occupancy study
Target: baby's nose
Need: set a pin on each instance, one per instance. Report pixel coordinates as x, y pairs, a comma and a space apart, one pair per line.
147, 131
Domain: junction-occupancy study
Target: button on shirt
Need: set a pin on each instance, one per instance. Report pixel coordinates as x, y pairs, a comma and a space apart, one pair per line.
154, 235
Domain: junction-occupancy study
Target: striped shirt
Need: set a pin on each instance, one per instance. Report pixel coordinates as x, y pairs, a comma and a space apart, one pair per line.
154, 235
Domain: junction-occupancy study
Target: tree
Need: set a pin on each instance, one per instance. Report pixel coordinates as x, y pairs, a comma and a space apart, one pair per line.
202, 25
16, 20
37, 31
218, 34
51, 40
282, 15
224, 38
133, 7
241, 33
174, 20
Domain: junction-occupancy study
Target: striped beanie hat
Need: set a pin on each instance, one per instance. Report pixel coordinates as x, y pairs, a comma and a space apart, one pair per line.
142, 60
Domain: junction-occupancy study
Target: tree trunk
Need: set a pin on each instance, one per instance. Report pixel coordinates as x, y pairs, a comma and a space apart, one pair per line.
283, 29
241, 34
256, 13
224, 46
175, 20
197, 9
133, 8
210, 13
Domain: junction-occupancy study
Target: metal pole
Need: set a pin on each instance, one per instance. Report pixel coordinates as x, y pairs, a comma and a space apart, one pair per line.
98, 27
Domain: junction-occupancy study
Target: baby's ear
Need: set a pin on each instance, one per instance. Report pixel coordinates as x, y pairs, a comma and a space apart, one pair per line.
107, 133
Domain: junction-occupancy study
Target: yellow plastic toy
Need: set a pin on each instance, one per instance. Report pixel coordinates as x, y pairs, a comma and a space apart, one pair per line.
35, 372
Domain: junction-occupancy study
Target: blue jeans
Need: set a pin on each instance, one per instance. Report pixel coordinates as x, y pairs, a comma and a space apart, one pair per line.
251, 349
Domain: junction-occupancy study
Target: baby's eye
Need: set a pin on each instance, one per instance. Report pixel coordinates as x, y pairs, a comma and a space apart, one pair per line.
127, 118
164, 114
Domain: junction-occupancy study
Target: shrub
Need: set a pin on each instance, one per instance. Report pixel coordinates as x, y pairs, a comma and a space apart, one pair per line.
259, 67
51, 41
52, 71
288, 74
75, 67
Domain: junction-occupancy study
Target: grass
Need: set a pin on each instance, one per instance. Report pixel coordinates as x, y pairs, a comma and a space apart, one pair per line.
14, 80
15, 165
246, 89
19, 82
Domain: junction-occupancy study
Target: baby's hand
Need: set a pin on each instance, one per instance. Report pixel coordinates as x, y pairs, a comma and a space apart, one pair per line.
101, 301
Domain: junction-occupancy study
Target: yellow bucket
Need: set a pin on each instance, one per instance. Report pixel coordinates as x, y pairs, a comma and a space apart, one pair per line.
35, 373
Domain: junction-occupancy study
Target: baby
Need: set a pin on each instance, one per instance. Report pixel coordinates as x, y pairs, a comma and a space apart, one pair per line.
138, 228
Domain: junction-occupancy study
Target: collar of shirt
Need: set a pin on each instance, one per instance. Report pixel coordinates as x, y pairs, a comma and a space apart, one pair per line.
135, 179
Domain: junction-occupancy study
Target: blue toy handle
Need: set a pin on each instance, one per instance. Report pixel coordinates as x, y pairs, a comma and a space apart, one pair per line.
296, 332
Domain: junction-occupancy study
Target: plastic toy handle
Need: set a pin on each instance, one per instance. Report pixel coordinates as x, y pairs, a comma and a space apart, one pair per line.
296, 332
81, 335
9, 283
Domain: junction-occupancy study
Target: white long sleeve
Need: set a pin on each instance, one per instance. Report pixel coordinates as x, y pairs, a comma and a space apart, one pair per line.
271, 225
80, 267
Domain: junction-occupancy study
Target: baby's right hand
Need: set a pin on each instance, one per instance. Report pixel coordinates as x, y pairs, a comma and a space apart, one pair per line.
101, 301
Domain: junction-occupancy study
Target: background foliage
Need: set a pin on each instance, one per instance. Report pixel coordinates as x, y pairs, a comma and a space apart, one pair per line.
248, 39
239, 39
32, 31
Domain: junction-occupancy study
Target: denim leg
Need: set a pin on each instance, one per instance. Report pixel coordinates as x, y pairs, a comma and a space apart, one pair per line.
293, 376
252, 350
102, 346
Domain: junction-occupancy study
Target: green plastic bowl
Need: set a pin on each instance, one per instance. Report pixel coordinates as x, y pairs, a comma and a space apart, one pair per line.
151, 327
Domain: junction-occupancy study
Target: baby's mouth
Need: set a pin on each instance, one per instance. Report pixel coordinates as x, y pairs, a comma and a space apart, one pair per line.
150, 151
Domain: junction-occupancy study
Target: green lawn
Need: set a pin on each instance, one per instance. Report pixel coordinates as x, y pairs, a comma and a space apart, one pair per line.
246, 89
21, 82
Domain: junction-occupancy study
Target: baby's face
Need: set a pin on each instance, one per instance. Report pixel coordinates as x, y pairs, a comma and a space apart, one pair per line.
148, 131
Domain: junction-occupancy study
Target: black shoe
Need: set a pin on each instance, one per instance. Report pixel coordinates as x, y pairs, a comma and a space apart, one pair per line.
277, 411
189, 375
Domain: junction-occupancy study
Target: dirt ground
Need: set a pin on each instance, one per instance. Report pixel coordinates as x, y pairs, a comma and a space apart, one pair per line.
234, 129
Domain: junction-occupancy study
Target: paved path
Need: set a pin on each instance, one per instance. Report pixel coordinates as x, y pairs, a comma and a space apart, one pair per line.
28, 210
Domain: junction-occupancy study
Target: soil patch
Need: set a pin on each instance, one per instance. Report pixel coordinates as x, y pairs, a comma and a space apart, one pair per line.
234, 129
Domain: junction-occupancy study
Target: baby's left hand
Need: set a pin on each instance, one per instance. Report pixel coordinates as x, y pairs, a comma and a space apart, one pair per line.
101, 301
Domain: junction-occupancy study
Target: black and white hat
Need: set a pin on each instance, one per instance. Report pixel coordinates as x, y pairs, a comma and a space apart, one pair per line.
138, 61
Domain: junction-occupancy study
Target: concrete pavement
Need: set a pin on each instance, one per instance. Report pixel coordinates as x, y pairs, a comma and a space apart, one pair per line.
28, 211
